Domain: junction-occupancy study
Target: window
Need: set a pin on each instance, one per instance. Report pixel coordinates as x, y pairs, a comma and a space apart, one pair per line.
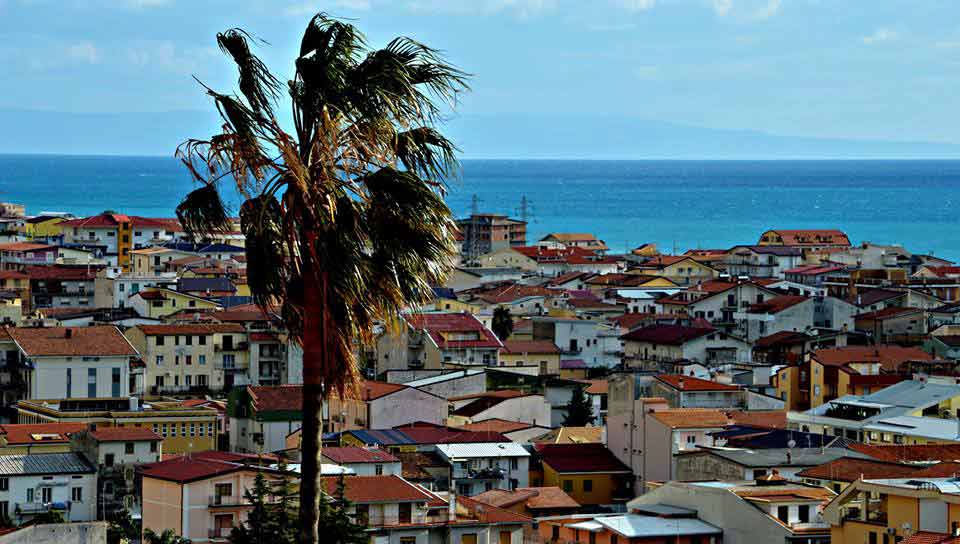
115, 383
221, 491
691, 439
568, 485
872, 538
46, 495
587, 486
193, 429
153, 446
159, 360
514, 464
76, 494
803, 513
783, 513
468, 538
188, 340
69, 382
201, 359
92, 382
555, 534
592, 537
613, 538
128, 448
30, 496
189, 359
108, 460
4, 510
4, 484
363, 517
378, 470
759, 473
201, 340
187, 380
405, 512
464, 489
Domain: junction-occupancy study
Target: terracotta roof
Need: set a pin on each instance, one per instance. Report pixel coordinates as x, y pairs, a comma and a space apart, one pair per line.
885, 313
194, 329
529, 346
777, 304
271, 398
40, 433
768, 419
666, 334
946, 469
944, 271
373, 390
572, 435
813, 237
782, 338
691, 418
350, 454
13, 275
889, 356
486, 513
496, 425
437, 324
377, 489
547, 255
534, 498
106, 220
813, 269
24, 246
597, 387
689, 383
124, 434
849, 469
82, 341
436, 434
927, 537
910, 453
62, 273
866, 297
566, 458
188, 468
564, 278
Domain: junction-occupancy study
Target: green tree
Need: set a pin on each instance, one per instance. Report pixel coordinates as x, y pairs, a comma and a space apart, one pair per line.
285, 495
335, 522
502, 322
50, 516
344, 217
579, 409
260, 526
122, 527
168, 536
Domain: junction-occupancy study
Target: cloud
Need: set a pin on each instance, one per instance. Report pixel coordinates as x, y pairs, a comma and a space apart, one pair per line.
519, 8
305, 9
767, 11
648, 72
146, 3
166, 55
83, 52
747, 10
637, 5
881, 35
722, 7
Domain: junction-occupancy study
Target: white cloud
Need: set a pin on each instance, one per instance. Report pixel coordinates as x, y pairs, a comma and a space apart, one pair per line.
722, 7
637, 5
880, 35
518, 8
147, 3
167, 56
648, 72
769, 10
83, 52
306, 9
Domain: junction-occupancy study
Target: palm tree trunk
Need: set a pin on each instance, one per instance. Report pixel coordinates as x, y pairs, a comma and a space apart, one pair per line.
313, 394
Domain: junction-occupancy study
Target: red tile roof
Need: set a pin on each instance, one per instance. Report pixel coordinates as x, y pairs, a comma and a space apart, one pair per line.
40, 433
689, 383
352, 454
691, 418
272, 398
588, 457
124, 434
545, 255
106, 220
849, 469
193, 329
946, 469
71, 341
782, 338
62, 273
927, 537
666, 334
377, 489
486, 513
520, 347
770, 419
496, 425
438, 324
813, 269
910, 453
813, 237
889, 356
373, 390
885, 313
777, 304
436, 434
188, 468
24, 246
944, 271
597, 387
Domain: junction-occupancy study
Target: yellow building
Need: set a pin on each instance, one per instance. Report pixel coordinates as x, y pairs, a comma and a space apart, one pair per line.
184, 429
679, 269
192, 356
43, 226
891, 510
159, 302
787, 381
542, 354
37, 438
152, 260
11, 306
589, 473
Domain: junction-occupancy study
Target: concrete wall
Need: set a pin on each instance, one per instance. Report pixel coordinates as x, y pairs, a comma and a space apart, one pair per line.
533, 409
91, 532
457, 387
702, 466
408, 405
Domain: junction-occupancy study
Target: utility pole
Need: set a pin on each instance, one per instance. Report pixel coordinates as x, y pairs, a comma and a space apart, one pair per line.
474, 242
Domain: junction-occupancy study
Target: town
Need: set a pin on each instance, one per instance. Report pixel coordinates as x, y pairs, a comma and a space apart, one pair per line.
801, 387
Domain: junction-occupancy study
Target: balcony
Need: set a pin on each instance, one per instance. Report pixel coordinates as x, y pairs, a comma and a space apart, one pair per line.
491, 473
227, 501
221, 533
230, 367
239, 346
31, 508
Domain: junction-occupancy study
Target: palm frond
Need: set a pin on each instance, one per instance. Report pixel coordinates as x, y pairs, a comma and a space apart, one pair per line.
257, 84
425, 151
202, 212
261, 220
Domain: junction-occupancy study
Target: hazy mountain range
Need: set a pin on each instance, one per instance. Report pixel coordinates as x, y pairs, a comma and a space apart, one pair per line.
507, 136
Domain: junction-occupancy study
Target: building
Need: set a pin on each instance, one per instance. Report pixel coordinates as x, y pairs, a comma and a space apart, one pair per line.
451, 384
37, 438
68, 363
765, 510
39, 483
680, 269
737, 464
193, 357
894, 325
589, 473
784, 313
184, 428
653, 346
908, 509
116, 235
503, 404
17, 255
690, 392
479, 467
841, 472
440, 340
200, 497
657, 523
160, 302
595, 343
856, 370
485, 233
573, 239
542, 354
810, 239
363, 461
762, 261
116, 452
59, 286
113, 287
536, 502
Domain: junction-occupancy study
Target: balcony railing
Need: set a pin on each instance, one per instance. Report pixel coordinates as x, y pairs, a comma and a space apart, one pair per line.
219, 533
227, 500
491, 473
239, 346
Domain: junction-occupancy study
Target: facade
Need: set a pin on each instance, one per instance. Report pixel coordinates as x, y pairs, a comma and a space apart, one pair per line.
117, 234
762, 261
363, 461
656, 345
475, 468
39, 483
690, 392
61, 286
505, 404
160, 302
484, 233
589, 473
811, 239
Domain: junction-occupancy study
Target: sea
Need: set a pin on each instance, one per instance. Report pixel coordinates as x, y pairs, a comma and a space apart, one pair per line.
678, 205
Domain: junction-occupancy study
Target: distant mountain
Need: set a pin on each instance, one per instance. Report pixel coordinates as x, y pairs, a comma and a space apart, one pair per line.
519, 136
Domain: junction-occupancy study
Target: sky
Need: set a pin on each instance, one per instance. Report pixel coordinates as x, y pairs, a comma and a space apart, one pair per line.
856, 69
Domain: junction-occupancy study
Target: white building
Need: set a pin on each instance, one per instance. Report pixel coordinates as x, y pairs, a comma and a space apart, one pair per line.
65, 362
596, 343
364, 461
479, 467
788, 313
35, 484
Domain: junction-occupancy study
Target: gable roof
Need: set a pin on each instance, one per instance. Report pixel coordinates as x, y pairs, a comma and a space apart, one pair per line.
691, 418
812, 237
352, 454
272, 398
666, 334
44, 463
438, 323
777, 304
849, 469
377, 489
124, 434
534, 498
890, 356
189, 468
497, 425
689, 383
193, 329
910, 453
590, 457
39, 433
519, 347
104, 341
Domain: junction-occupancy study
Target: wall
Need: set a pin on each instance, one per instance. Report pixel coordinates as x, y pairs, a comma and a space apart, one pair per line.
408, 405
531, 409
457, 387
91, 532
703, 466
49, 379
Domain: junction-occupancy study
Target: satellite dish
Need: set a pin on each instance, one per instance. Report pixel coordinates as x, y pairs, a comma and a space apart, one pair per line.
792, 443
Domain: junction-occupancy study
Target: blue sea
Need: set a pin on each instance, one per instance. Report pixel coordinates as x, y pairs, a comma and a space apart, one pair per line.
675, 204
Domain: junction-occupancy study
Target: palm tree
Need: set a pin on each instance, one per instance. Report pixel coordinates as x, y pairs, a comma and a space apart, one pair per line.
166, 537
502, 323
344, 217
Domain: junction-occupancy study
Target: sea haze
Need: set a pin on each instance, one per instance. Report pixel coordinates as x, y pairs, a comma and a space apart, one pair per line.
686, 204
